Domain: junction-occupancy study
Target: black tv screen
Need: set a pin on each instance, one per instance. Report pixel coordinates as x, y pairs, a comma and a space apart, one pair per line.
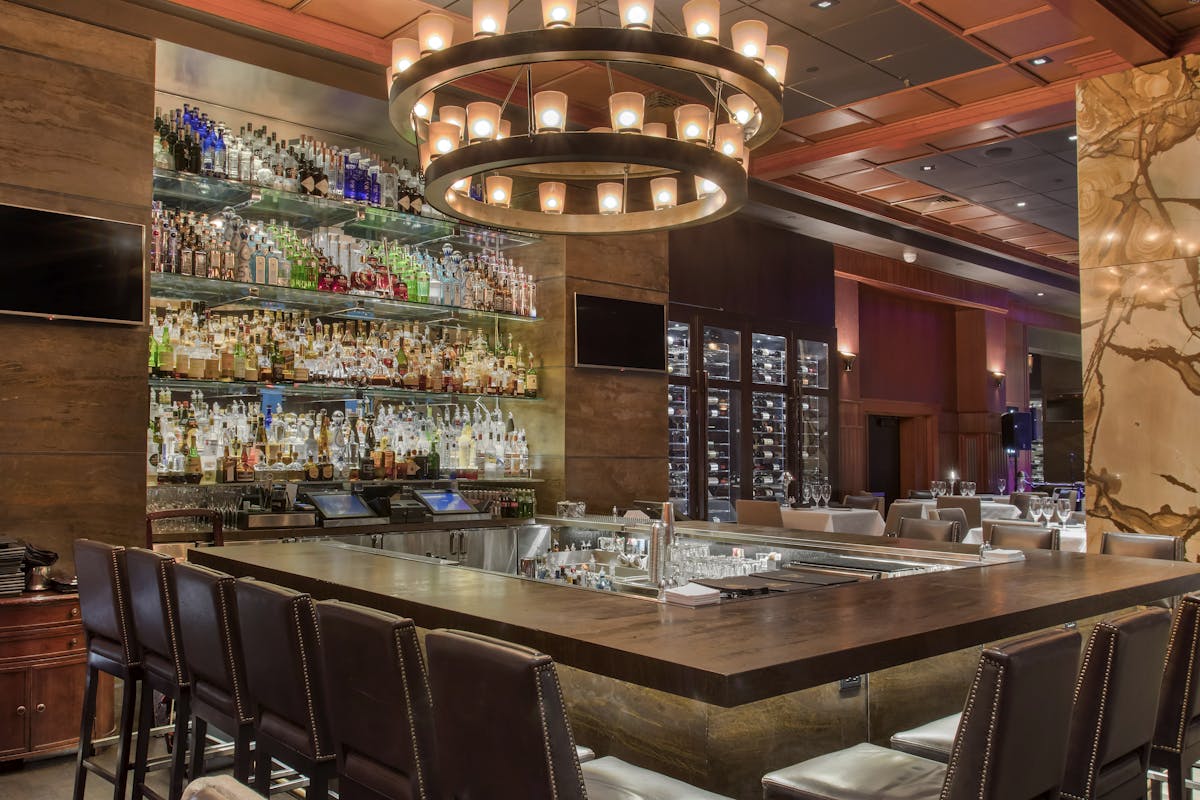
63, 265
621, 334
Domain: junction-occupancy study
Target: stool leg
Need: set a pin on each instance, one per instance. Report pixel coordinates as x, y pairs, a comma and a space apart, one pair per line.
262, 771
145, 723
241, 753
179, 754
129, 693
318, 787
1175, 781
85, 731
199, 734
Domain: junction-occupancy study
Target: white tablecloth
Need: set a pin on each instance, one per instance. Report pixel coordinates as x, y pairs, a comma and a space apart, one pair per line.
834, 520
1073, 538
988, 509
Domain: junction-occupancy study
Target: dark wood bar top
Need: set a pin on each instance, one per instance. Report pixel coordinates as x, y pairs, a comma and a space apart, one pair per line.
736, 652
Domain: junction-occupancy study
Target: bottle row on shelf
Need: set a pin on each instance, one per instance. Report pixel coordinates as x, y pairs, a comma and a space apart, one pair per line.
198, 441
272, 347
226, 246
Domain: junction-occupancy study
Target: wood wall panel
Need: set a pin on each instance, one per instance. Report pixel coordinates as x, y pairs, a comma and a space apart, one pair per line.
74, 136
900, 276
906, 349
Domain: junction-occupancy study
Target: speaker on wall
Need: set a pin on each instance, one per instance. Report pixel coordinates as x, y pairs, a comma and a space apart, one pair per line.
1016, 430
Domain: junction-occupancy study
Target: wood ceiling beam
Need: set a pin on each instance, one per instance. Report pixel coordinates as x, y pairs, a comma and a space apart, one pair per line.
984, 113
1131, 29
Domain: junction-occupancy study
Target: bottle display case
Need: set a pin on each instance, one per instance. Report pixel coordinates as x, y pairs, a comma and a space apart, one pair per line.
758, 397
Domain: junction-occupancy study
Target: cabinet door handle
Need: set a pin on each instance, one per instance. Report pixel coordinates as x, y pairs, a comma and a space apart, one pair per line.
73, 642
75, 611
40, 707
20, 711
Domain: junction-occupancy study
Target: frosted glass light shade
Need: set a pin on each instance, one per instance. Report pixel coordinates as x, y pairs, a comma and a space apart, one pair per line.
663, 192
457, 115
705, 187
550, 111
730, 140
636, 14
702, 19
498, 190
776, 62
608, 198
462, 185
434, 32
423, 156
741, 108
627, 110
423, 109
505, 129
692, 123
483, 121
658, 129
553, 196
391, 76
405, 53
750, 38
558, 13
488, 17
443, 137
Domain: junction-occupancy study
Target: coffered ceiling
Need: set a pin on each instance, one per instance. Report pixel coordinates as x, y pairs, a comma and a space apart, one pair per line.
948, 115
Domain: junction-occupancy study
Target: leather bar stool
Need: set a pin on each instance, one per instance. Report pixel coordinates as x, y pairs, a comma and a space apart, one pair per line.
952, 514
1011, 744
156, 620
863, 501
282, 648
899, 510
1142, 545
112, 648
502, 729
379, 705
933, 530
1024, 537
1113, 717
212, 654
989, 524
1176, 745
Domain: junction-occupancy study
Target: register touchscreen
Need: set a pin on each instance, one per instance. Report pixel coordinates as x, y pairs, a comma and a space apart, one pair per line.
444, 501
340, 506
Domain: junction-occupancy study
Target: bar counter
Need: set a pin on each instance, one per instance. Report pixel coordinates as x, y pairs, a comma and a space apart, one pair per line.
737, 652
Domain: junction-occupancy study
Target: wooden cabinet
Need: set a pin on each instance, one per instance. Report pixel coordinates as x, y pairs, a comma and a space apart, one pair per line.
42, 669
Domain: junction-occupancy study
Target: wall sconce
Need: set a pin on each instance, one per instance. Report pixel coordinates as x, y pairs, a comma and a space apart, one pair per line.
997, 378
435, 32
553, 196
848, 360
550, 111
776, 62
663, 192
483, 120
456, 115
702, 19
627, 110
443, 137
499, 190
489, 17
558, 13
608, 197
691, 123
750, 38
636, 14
405, 53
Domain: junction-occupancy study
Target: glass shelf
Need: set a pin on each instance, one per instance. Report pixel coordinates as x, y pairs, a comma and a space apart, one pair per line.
234, 295
209, 195
323, 391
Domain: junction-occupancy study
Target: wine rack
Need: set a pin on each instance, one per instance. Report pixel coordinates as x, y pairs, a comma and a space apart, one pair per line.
814, 438
768, 359
678, 463
769, 444
723, 430
812, 364
722, 353
678, 347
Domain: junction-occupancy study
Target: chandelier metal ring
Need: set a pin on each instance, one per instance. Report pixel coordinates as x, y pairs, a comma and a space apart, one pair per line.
634, 149
523, 48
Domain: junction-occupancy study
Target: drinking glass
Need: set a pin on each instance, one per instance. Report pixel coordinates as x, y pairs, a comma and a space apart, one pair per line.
968, 488
1001, 485
806, 492
826, 493
1063, 509
1035, 508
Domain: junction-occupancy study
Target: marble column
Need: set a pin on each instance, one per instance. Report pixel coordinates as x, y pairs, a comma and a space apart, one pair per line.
1139, 208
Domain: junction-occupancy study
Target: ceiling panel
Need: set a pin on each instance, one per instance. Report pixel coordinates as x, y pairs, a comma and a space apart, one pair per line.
901, 105
1030, 34
908, 190
1052, 117
984, 84
819, 21
826, 123
962, 214
883, 34
376, 17
949, 56
848, 85
968, 137
994, 191
867, 180
990, 222
887, 155
1040, 240
1006, 152
797, 104
833, 167
1014, 231
1068, 197
969, 13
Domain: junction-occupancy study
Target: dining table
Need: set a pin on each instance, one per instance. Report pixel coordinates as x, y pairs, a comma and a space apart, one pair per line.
834, 520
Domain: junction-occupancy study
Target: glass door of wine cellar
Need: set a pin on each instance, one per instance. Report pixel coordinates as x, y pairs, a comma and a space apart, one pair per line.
748, 404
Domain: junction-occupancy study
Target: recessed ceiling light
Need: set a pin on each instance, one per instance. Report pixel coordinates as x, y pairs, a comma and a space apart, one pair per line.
1040, 61
824, 3
1021, 204
928, 167
1041, 294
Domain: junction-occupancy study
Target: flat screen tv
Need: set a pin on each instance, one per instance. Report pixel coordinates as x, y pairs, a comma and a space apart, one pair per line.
620, 334
71, 267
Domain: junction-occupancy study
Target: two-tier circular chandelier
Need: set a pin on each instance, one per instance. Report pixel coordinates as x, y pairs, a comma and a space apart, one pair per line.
628, 176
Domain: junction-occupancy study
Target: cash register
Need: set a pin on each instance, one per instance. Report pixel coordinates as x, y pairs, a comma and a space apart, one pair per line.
341, 509
447, 505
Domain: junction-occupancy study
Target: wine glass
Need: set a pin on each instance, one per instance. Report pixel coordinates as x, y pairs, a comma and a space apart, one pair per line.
968, 488
826, 491
1063, 509
1035, 508
1001, 485
806, 491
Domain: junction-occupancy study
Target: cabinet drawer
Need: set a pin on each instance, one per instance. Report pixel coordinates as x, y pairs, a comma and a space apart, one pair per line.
29, 615
56, 641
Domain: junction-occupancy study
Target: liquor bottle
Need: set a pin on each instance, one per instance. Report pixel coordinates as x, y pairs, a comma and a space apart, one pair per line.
531, 379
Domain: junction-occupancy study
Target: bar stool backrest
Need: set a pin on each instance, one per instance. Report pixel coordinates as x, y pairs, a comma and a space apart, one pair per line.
934, 530
953, 514
1116, 698
283, 667
1012, 738
759, 512
863, 501
1142, 545
212, 645
1024, 537
156, 613
898, 510
1021, 501
1178, 727
971, 506
104, 605
502, 728
379, 703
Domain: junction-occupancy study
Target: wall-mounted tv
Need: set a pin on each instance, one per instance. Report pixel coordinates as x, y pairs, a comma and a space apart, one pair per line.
620, 334
71, 267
